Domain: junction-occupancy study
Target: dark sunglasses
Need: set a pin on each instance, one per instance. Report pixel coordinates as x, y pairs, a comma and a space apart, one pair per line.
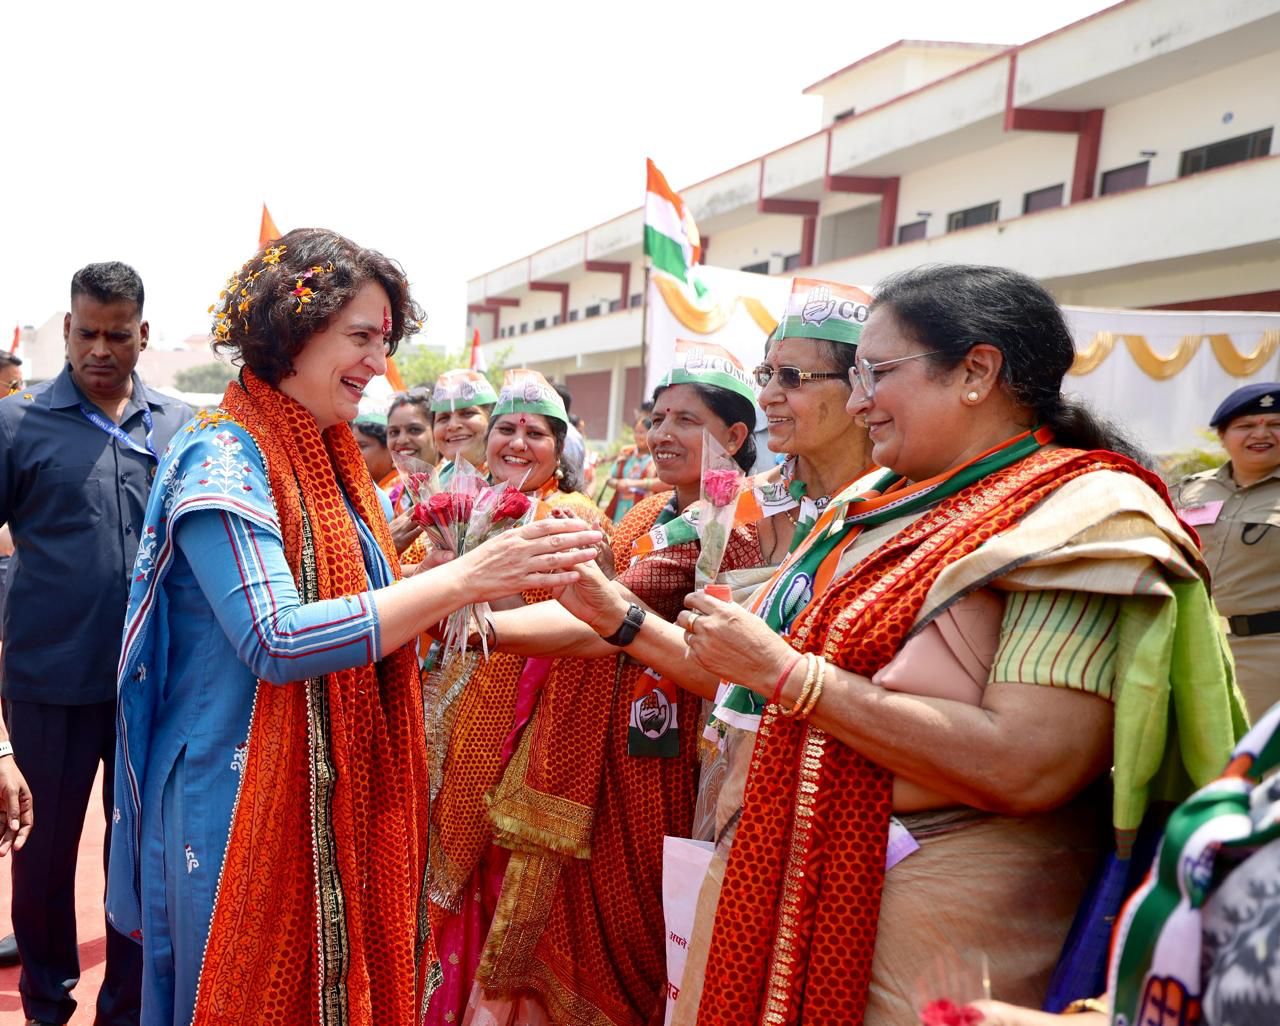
791, 377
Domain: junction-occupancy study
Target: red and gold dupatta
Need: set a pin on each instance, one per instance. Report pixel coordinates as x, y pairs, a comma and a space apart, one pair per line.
318, 915
795, 929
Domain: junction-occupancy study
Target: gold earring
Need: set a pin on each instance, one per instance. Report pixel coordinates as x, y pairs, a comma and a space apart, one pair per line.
972, 397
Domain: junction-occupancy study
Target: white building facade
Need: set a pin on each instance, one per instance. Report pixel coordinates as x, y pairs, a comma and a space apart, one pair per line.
1125, 160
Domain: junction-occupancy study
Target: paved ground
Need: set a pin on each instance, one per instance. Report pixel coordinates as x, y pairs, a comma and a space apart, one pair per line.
91, 926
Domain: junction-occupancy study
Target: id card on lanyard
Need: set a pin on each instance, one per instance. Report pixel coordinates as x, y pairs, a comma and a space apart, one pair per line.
94, 416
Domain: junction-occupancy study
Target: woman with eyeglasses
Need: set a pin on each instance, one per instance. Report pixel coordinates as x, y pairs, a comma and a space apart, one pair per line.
632, 477
957, 645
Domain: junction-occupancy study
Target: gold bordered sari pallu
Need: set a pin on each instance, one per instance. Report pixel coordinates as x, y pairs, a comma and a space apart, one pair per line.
479, 699
319, 914
795, 929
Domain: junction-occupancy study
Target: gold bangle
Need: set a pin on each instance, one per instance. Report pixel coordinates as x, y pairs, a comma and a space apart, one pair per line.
810, 674
1093, 1004
816, 693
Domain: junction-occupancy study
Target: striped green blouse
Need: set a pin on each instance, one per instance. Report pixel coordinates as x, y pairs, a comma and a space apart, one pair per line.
1062, 639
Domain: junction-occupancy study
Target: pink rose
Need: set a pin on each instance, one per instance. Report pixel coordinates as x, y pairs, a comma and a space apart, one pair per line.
720, 486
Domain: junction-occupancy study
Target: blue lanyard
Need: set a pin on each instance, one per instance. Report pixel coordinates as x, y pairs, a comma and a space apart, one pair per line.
95, 417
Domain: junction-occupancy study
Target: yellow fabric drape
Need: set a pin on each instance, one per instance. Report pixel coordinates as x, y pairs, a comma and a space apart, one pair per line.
707, 322
1088, 359
1154, 365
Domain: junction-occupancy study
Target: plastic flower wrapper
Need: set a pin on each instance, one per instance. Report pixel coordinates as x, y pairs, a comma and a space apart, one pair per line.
943, 991
722, 480
496, 508
443, 511
419, 480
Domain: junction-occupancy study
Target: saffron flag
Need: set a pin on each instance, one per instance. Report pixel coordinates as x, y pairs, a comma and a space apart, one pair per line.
267, 231
671, 240
17, 333
477, 361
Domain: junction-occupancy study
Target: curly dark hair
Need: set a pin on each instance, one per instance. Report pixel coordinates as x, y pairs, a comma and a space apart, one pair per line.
261, 322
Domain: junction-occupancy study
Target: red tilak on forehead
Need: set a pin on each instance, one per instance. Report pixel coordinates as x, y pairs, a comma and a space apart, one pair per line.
386, 321
522, 420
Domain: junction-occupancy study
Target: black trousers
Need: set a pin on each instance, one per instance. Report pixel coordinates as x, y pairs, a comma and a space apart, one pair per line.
58, 748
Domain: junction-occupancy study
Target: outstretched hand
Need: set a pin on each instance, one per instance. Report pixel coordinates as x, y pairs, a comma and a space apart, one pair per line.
732, 643
545, 554
594, 600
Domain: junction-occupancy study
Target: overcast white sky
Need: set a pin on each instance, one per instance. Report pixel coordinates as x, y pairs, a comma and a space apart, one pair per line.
454, 138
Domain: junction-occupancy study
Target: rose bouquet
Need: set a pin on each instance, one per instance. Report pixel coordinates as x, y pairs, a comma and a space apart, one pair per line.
493, 510
441, 510
721, 482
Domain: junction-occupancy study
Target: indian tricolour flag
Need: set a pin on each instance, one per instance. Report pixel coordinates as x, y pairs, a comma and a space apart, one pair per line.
670, 237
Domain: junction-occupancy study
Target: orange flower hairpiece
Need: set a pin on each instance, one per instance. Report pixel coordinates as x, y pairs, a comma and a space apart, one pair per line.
301, 291
273, 255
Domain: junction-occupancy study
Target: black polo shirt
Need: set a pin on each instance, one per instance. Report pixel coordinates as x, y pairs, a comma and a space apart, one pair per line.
74, 498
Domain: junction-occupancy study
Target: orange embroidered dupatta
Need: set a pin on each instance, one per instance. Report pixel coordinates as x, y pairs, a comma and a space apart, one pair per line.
318, 915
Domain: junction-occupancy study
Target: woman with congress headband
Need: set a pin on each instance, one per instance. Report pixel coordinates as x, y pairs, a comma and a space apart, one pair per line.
271, 827
588, 940
956, 644
1236, 511
473, 703
460, 409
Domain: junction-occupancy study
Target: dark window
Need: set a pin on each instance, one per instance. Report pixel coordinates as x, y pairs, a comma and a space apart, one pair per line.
1042, 199
845, 114
615, 305
524, 328
539, 324
911, 232
984, 214
636, 299
760, 268
555, 319
791, 262
573, 315
1229, 151
592, 311
1122, 179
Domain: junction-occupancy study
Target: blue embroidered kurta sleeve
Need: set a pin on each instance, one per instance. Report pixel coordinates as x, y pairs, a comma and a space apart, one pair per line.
243, 573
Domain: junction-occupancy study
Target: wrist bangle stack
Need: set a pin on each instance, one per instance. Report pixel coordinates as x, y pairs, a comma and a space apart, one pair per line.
816, 693
810, 674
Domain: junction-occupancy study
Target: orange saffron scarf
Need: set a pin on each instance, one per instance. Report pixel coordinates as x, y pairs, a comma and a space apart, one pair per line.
318, 916
795, 929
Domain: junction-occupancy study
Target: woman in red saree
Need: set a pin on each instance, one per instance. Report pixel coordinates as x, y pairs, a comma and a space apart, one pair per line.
473, 702
997, 489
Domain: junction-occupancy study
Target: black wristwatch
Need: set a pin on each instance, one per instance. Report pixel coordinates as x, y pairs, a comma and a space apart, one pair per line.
629, 628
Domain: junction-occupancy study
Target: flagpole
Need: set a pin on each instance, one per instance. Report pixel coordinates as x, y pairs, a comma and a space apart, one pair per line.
644, 334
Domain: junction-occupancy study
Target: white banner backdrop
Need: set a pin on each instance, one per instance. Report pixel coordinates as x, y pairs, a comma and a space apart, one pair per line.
1168, 413
1159, 374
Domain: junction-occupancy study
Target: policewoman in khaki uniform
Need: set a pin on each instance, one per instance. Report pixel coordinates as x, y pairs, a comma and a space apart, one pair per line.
1236, 509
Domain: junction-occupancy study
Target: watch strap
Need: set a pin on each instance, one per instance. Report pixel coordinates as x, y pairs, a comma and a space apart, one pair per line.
628, 629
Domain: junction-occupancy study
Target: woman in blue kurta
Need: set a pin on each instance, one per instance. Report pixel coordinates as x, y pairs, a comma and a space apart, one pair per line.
271, 814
